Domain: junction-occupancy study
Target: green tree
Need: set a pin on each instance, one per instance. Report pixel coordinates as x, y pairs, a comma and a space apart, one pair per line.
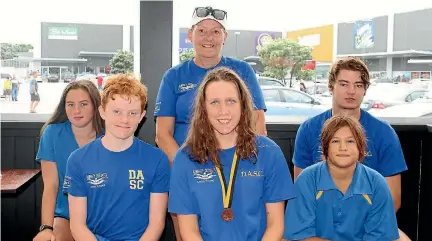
9, 51
305, 74
122, 62
187, 55
283, 55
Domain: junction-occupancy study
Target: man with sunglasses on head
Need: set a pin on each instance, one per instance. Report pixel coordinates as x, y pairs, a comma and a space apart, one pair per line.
179, 84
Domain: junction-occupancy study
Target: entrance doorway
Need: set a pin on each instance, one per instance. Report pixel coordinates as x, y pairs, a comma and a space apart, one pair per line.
54, 73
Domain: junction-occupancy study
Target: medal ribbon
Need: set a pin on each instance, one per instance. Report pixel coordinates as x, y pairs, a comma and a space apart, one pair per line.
227, 193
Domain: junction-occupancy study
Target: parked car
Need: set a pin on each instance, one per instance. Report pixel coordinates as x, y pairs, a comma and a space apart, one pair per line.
281, 109
267, 81
255, 62
289, 101
423, 110
68, 77
380, 97
86, 76
315, 88
421, 83
376, 81
426, 98
53, 78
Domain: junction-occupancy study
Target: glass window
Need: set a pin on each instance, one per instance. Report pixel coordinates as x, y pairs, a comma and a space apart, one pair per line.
293, 96
415, 95
271, 82
272, 95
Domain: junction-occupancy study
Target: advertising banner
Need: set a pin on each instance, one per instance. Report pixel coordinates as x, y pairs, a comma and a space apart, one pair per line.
185, 43
364, 35
263, 38
320, 39
309, 65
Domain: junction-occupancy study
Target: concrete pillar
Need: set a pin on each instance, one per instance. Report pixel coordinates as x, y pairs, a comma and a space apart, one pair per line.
155, 58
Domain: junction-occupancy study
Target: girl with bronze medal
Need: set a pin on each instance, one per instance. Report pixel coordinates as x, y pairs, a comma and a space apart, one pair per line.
227, 182
227, 193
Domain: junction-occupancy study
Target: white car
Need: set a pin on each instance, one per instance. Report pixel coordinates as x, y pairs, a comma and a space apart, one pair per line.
267, 81
405, 110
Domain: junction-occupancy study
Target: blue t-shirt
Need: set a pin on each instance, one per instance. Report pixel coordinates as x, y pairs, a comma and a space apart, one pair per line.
196, 189
384, 152
365, 212
179, 87
117, 186
32, 82
56, 144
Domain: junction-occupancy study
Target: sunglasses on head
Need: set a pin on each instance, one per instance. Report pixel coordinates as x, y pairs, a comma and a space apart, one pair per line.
218, 14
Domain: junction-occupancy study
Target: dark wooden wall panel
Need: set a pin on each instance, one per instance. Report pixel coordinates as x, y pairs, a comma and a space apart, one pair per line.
20, 213
285, 138
425, 212
407, 215
7, 151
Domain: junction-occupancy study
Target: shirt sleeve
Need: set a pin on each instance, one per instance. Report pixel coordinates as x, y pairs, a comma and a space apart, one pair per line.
74, 181
254, 88
278, 185
381, 223
392, 160
162, 176
303, 154
300, 211
181, 199
46, 145
166, 98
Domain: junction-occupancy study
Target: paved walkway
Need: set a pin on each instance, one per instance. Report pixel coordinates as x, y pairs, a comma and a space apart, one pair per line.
50, 94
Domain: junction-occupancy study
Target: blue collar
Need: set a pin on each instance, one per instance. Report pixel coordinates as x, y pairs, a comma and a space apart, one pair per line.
359, 184
363, 115
222, 62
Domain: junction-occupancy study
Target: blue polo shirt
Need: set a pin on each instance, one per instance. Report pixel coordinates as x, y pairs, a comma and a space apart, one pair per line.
56, 144
117, 186
384, 152
196, 189
365, 212
179, 87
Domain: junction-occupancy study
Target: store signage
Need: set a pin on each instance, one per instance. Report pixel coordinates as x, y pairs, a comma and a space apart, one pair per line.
63, 33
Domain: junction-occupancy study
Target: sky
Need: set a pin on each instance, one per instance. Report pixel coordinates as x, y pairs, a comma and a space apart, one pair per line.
20, 18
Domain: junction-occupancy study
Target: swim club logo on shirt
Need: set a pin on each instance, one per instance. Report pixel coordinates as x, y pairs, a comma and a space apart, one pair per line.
136, 179
66, 182
204, 175
97, 180
249, 173
186, 87
157, 107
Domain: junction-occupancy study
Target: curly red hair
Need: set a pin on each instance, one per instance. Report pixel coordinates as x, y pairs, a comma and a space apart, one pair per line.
125, 86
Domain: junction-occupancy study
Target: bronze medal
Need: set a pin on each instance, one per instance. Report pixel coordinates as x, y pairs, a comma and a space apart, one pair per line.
227, 215
228, 190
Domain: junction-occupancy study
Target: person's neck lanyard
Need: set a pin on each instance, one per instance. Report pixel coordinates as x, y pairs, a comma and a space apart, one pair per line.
227, 192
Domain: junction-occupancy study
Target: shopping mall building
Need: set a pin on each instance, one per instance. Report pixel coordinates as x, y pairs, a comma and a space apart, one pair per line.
393, 46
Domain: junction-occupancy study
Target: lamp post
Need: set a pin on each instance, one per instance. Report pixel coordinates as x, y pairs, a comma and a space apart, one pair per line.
236, 44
